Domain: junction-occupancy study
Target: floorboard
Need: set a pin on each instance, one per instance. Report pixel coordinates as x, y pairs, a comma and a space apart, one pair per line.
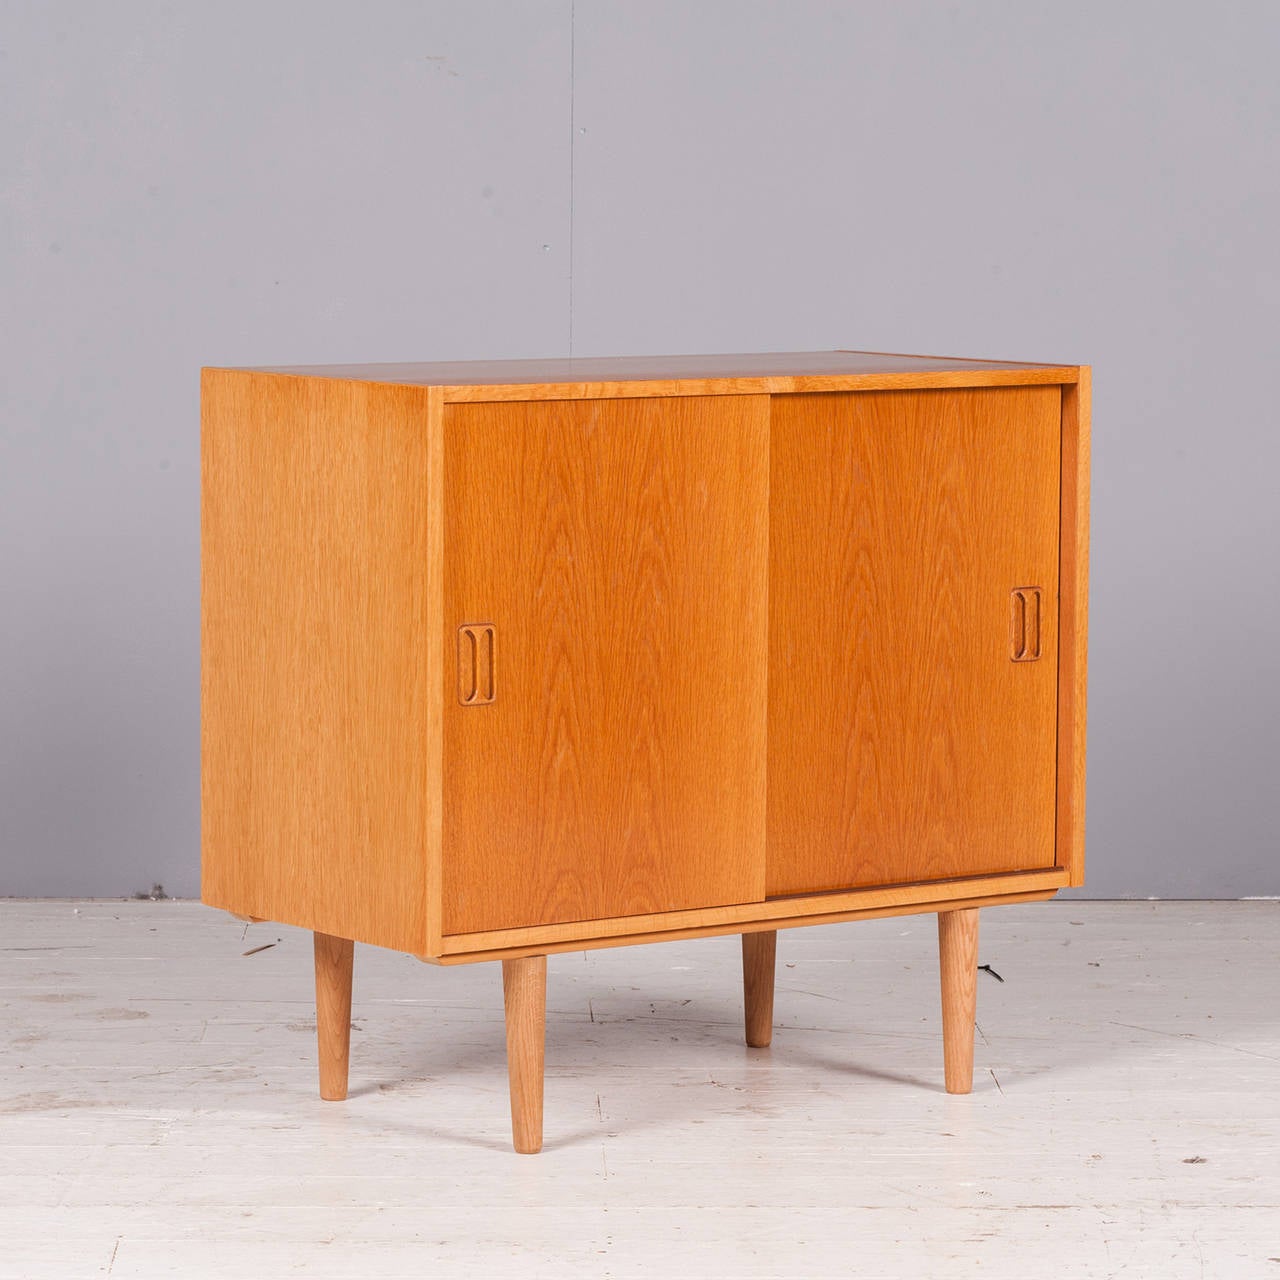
159, 1114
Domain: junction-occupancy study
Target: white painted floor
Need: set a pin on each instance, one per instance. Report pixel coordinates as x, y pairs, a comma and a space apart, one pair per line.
158, 1111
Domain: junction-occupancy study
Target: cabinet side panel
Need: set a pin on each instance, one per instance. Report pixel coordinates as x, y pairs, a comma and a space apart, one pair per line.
610, 756
1074, 625
905, 743
319, 695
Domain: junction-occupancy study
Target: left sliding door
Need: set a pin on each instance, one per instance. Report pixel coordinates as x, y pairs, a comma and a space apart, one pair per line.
606, 648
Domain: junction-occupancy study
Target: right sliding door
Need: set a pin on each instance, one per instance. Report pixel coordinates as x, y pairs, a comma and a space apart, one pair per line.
913, 623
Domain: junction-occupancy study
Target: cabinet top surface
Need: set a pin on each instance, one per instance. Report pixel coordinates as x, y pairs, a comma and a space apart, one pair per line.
765, 372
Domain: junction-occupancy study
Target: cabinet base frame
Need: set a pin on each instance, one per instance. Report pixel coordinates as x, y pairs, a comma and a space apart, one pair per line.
756, 917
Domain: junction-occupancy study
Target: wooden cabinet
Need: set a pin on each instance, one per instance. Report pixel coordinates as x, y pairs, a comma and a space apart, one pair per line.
501, 660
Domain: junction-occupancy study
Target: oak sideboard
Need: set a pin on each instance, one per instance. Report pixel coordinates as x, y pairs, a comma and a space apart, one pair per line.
507, 659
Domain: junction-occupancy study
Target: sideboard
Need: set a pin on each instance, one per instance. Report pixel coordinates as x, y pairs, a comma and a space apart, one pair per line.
507, 659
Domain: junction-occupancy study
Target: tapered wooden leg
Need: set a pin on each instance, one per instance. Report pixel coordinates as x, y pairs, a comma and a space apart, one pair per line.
524, 996
333, 1013
758, 953
958, 962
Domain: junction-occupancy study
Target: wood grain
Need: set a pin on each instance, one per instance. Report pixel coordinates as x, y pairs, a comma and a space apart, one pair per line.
524, 998
906, 908
320, 635
431, 777
334, 958
1073, 616
781, 384
958, 969
773, 913
638, 376
904, 745
759, 953
327, 652
619, 549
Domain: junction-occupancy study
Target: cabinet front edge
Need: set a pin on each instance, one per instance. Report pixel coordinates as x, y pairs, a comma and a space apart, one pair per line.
772, 384
917, 380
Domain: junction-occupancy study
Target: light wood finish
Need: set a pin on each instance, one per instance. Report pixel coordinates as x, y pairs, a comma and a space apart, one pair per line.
334, 959
431, 777
750, 926
619, 551
637, 376
759, 952
777, 911
508, 659
904, 744
524, 998
320, 633
958, 967
976, 377
1073, 624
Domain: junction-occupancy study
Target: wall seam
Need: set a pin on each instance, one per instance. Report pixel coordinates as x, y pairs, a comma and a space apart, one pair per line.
573, 143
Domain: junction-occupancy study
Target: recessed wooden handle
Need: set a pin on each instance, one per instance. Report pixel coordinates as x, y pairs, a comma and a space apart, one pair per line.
477, 677
1024, 641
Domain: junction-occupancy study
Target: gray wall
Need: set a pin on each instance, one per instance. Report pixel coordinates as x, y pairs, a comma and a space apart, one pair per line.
286, 183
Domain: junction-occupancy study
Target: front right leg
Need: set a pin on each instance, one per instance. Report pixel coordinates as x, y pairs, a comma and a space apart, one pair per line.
524, 992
